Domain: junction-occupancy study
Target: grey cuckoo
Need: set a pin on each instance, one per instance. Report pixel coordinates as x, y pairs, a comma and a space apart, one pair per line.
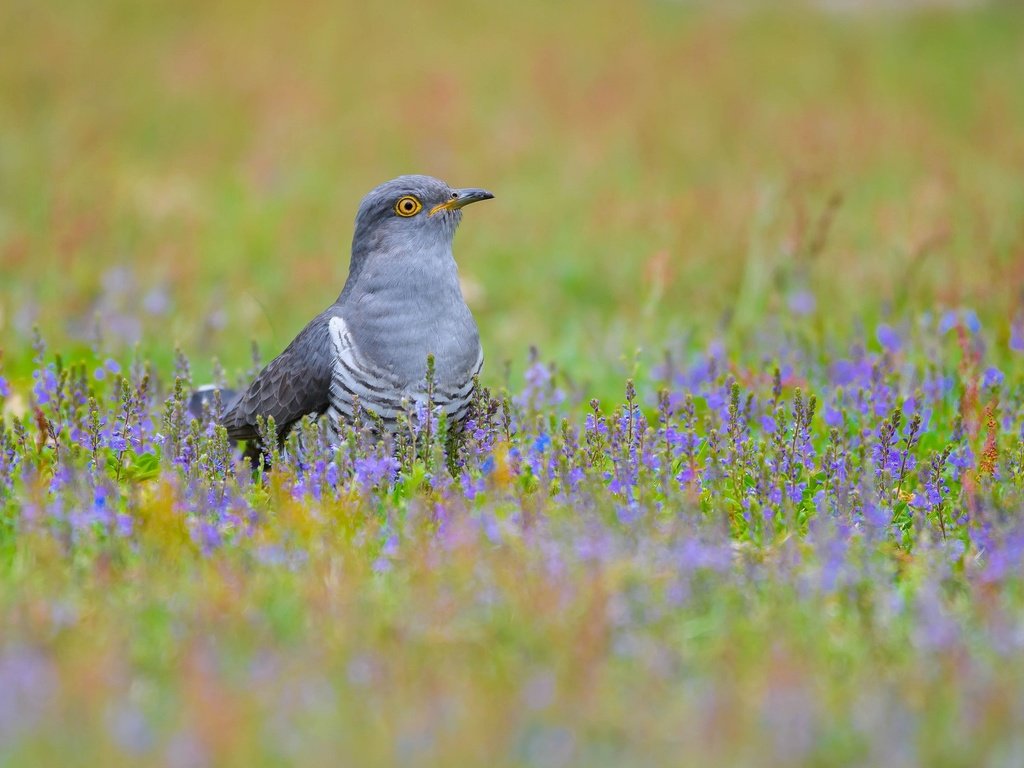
401, 302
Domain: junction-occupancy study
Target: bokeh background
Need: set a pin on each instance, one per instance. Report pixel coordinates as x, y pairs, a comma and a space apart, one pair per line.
667, 173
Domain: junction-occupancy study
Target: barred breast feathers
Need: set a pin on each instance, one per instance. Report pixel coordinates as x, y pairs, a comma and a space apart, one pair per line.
378, 390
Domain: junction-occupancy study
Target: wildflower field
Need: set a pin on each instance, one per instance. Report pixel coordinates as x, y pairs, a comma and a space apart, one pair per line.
743, 483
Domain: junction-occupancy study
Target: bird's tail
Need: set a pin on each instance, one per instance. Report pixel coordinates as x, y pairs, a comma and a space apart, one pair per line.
210, 399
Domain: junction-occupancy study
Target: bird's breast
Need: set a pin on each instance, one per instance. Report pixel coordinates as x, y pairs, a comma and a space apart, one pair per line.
380, 351
399, 329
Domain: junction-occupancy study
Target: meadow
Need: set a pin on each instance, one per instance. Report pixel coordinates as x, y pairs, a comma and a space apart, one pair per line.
743, 483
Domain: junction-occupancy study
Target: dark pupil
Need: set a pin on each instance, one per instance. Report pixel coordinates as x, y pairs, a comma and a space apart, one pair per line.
407, 205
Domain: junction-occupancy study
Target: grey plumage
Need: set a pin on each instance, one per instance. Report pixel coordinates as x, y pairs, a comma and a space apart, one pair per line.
400, 303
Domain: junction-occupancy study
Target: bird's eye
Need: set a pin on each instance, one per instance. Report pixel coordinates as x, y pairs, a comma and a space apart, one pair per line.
408, 206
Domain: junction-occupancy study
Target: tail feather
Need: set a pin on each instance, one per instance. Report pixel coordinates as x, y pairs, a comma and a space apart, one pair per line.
204, 401
204, 404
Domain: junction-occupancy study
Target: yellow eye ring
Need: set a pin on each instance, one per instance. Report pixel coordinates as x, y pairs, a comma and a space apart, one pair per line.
407, 206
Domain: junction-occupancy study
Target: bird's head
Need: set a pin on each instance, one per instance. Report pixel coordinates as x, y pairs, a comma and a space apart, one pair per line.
410, 215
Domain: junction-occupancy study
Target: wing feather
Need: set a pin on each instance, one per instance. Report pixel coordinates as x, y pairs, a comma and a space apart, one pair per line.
295, 383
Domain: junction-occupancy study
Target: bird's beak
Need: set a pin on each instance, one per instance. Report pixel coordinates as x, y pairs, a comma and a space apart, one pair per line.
462, 198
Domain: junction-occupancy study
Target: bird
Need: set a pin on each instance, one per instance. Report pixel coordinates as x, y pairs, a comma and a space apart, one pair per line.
401, 303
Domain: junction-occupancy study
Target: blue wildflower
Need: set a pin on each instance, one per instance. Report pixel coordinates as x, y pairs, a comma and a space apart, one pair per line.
209, 536
109, 366
45, 387
832, 416
801, 302
953, 318
993, 378
949, 320
1017, 334
888, 337
971, 321
372, 470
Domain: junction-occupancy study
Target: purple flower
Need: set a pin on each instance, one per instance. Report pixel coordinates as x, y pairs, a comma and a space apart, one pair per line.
628, 513
878, 516
116, 442
331, 474
5, 388
156, 302
372, 470
686, 475
99, 498
490, 527
937, 386
888, 337
694, 554
832, 416
125, 525
209, 536
952, 318
948, 321
993, 378
971, 320
46, 385
1017, 334
843, 372
471, 487
961, 459
596, 425
801, 302
1004, 557
539, 389
388, 551
109, 366
718, 401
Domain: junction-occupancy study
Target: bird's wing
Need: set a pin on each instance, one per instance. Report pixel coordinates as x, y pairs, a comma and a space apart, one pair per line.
293, 384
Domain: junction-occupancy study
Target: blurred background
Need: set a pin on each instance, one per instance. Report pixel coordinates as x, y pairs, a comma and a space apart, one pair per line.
667, 173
